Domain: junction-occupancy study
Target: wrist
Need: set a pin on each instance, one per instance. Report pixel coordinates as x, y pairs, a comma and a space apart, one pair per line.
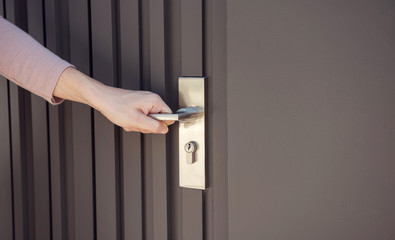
75, 86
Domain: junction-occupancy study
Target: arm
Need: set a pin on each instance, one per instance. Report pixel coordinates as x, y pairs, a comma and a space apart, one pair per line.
33, 67
128, 109
27, 63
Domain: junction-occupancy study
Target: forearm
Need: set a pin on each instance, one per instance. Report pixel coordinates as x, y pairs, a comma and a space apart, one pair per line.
75, 86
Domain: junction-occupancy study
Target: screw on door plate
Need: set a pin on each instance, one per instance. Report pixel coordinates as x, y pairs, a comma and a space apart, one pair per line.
190, 148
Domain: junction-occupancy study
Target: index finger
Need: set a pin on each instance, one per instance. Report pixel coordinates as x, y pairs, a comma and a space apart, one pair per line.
166, 109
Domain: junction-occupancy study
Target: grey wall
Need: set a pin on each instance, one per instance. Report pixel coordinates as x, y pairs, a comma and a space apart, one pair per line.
311, 116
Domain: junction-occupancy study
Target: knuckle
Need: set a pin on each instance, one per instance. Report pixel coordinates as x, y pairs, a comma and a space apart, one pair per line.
156, 97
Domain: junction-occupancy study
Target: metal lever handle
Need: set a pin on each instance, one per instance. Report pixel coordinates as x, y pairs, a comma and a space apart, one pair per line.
183, 115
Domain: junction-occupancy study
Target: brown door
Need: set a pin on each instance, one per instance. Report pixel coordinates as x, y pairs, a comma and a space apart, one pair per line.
66, 171
300, 122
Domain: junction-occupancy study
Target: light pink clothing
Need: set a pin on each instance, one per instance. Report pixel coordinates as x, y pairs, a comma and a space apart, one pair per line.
27, 63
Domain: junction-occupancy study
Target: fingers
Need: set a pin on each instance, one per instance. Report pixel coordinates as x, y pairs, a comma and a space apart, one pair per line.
165, 108
133, 129
168, 123
161, 107
130, 110
150, 125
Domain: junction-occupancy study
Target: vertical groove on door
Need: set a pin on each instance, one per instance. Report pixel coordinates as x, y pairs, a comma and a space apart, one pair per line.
81, 121
15, 13
173, 56
159, 153
5, 164
57, 171
19, 194
103, 57
6, 218
28, 170
39, 136
192, 37
192, 65
146, 138
130, 142
56, 134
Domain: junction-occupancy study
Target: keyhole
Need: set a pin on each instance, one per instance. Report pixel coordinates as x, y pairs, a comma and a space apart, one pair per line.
190, 147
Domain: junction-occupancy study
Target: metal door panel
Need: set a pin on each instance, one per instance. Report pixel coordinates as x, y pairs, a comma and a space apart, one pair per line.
80, 171
6, 227
158, 142
314, 157
131, 150
102, 182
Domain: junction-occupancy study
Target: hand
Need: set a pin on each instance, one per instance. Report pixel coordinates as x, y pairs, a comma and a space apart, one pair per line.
125, 108
129, 109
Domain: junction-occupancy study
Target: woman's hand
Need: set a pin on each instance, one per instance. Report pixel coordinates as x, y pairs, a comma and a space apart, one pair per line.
129, 109
125, 108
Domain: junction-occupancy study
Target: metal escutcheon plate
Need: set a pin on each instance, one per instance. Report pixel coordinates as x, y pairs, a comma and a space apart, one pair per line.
191, 93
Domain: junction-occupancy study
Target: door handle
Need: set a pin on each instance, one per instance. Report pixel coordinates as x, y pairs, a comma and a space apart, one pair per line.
187, 114
191, 131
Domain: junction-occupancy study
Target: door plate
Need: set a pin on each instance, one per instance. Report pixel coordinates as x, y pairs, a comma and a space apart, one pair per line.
191, 92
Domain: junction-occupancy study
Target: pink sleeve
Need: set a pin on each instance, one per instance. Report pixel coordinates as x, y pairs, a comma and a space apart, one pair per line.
27, 63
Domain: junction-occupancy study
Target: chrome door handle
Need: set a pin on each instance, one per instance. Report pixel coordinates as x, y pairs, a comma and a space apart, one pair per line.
187, 114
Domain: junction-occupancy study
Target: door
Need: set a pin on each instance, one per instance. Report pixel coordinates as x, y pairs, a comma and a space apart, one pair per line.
67, 172
310, 96
299, 122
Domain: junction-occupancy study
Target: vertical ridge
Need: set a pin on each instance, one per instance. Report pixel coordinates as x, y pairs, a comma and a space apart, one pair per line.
117, 130
103, 56
146, 139
129, 68
6, 199
4, 13
15, 13
92, 124
159, 146
84, 169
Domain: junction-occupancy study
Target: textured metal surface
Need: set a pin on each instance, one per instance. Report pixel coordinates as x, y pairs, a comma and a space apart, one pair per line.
40, 161
104, 60
86, 179
6, 217
159, 147
80, 202
5, 165
131, 144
